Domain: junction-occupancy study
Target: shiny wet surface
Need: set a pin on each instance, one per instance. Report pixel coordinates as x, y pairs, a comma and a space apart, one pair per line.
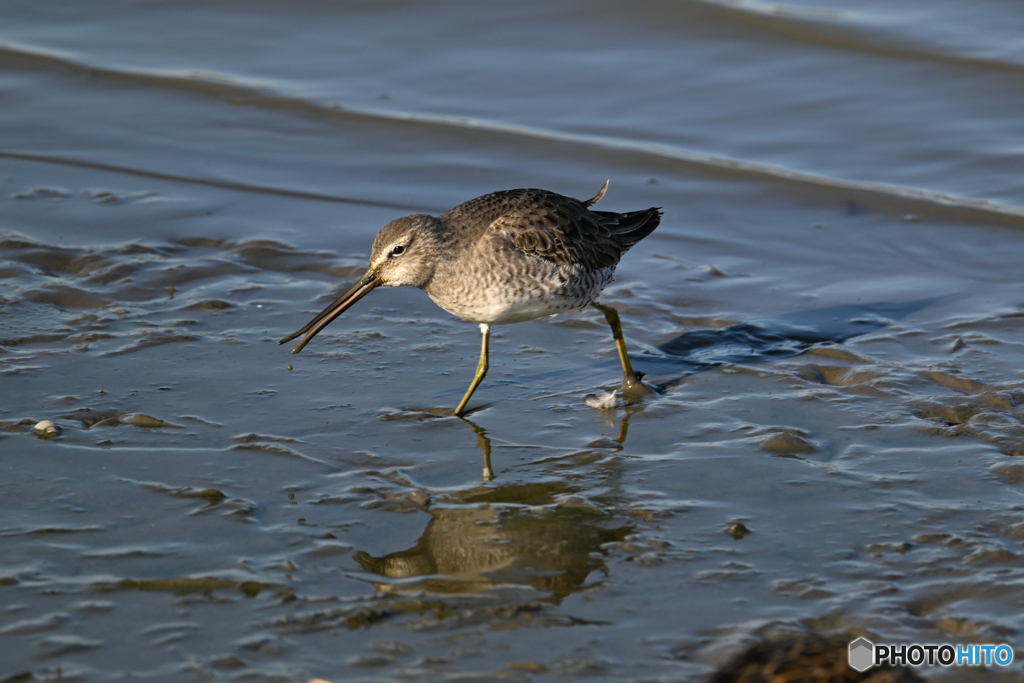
832, 308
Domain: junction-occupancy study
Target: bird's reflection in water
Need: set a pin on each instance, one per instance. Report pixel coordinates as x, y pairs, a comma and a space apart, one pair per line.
494, 537
539, 535
483, 442
617, 443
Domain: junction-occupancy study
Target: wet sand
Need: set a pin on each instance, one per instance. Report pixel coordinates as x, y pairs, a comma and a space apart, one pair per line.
832, 309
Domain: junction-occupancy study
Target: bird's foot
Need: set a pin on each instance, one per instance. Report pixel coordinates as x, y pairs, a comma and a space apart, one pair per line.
635, 390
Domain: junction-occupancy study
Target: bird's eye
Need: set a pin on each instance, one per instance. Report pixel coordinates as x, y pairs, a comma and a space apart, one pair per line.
398, 250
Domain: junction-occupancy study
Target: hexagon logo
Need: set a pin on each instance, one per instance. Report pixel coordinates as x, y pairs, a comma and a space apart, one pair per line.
862, 654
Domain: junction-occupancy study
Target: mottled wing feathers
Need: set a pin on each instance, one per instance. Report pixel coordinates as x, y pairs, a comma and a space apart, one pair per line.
555, 227
563, 232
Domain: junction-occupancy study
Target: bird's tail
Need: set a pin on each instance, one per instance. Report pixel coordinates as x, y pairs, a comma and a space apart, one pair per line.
629, 228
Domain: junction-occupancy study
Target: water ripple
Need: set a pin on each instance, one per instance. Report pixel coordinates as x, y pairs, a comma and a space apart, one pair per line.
243, 92
874, 33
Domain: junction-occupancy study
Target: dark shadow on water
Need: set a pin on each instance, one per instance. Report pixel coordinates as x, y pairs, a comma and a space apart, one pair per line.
781, 336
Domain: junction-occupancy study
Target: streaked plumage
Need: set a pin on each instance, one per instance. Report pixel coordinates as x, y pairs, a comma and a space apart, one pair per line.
502, 258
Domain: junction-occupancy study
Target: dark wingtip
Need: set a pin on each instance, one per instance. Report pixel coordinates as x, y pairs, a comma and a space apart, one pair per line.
629, 228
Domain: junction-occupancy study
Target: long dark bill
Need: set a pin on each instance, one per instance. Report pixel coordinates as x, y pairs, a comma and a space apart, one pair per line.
340, 305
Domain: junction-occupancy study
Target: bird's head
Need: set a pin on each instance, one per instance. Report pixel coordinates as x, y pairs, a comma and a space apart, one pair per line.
405, 250
404, 253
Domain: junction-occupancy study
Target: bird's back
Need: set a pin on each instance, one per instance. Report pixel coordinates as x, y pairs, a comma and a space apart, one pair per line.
523, 254
552, 226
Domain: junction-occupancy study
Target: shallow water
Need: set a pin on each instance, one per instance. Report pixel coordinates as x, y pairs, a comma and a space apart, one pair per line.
832, 307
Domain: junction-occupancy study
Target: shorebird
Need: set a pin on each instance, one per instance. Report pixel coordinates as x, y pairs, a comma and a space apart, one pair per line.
505, 257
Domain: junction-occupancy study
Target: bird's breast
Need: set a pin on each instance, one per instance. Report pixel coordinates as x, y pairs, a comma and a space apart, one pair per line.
504, 295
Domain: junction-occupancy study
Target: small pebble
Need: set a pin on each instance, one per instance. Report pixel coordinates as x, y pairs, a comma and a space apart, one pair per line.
289, 367
783, 442
737, 530
46, 429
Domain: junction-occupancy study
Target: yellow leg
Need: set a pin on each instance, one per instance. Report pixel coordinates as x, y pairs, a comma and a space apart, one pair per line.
481, 367
629, 378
